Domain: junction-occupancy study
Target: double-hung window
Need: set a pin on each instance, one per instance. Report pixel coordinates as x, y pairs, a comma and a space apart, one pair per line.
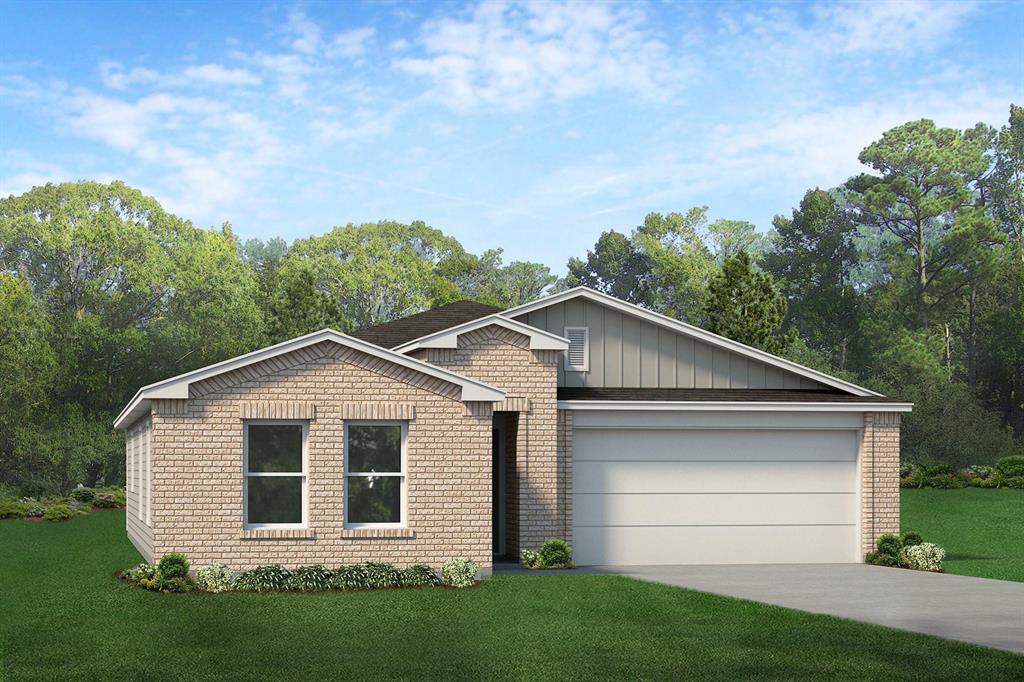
375, 473
275, 474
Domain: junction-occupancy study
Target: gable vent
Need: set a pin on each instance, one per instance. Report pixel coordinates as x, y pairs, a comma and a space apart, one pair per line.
578, 355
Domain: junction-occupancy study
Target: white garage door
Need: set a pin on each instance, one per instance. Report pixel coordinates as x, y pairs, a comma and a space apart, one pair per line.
715, 495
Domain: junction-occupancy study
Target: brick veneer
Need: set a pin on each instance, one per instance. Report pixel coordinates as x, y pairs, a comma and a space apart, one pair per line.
501, 357
197, 465
880, 477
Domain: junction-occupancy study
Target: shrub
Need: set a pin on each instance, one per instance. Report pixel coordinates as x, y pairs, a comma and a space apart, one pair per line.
977, 471
1016, 482
889, 544
82, 494
984, 483
936, 468
381, 575
906, 468
215, 578
459, 572
879, 559
184, 584
311, 578
351, 577
924, 557
105, 501
12, 509
555, 554
113, 491
910, 539
529, 558
266, 578
1011, 467
33, 509
139, 572
173, 565
59, 512
946, 482
420, 575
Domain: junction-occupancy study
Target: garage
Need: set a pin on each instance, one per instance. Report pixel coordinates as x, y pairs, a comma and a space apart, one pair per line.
715, 487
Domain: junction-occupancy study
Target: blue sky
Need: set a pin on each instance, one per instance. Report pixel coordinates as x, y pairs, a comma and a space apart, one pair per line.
529, 126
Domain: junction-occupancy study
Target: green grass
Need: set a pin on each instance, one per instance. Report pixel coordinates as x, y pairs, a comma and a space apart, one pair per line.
981, 529
64, 616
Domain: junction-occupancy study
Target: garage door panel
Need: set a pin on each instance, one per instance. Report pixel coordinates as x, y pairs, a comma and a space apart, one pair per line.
715, 545
714, 444
714, 510
711, 477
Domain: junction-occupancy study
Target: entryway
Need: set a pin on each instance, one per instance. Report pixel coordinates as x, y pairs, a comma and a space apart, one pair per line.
504, 485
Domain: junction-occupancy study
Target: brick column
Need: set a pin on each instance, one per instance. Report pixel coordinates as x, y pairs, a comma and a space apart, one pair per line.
880, 477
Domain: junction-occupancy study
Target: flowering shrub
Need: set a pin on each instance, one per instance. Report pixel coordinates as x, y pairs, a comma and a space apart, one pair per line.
923, 557
139, 571
459, 572
529, 558
215, 578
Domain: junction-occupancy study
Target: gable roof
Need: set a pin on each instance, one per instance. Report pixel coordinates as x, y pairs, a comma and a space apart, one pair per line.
405, 329
694, 332
449, 338
177, 387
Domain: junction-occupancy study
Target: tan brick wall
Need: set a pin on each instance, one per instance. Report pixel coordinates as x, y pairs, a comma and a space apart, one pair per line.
880, 477
197, 466
502, 358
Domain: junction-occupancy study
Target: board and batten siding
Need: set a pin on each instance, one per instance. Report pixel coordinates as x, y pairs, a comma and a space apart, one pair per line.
139, 486
628, 352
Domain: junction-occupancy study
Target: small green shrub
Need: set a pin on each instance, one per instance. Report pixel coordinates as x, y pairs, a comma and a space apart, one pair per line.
936, 469
946, 482
459, 572
381, 575
555, 554
924, 557
313, 578
879, 559
184, 584
420, 575
906, 468
215, 578
351, 577
82, 494
1011, 467
173, 565
1015, 482
910, 539
984, 483
266, 578
889, 544
529, 558
115, 492
105, 501
59, 512
12, 509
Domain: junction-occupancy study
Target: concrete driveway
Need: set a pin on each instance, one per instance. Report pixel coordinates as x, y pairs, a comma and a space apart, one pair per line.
975, 610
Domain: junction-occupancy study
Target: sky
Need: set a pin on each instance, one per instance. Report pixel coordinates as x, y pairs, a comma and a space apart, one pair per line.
527, 126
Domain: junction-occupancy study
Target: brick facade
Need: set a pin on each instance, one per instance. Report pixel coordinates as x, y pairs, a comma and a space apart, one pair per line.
198, 460
880, 477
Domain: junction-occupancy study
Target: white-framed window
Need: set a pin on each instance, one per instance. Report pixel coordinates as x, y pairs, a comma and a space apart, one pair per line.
577, 356
275, 464
375, 461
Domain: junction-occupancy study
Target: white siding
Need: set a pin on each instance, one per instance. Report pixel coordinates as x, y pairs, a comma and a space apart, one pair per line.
139, 492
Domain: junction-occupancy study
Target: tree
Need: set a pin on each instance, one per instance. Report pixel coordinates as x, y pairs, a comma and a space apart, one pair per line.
485, 279
615, 267
300, 305
1007, 179
743, 305
729, 237
812, 262
922, 196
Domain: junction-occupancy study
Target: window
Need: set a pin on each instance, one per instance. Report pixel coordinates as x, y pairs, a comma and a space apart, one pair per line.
375, 474
275, 474
577, 357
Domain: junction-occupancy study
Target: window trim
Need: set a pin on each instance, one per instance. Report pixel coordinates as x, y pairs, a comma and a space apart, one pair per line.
585, 367
403, 475
246, 474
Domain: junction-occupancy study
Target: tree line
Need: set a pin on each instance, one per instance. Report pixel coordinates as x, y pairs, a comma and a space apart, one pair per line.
908, 279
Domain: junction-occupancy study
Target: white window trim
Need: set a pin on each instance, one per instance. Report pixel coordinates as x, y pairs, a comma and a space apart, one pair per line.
246, 474
585, 367
403, 474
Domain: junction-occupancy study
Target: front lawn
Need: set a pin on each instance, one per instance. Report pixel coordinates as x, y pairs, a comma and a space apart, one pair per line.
981, 529
64, 616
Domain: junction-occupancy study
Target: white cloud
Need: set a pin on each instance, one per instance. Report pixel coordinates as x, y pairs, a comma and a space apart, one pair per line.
512, 55
221, 75
903, 26
350, 43
306, 36
115, 77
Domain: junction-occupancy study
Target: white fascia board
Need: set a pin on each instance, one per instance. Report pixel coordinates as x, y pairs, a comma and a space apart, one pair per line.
177, 387
690, 330
449, 338
710, 406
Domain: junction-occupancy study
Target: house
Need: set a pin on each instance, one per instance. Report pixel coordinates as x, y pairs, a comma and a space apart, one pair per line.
470, 431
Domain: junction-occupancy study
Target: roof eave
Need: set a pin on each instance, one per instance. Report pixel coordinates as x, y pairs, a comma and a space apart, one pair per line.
731, 406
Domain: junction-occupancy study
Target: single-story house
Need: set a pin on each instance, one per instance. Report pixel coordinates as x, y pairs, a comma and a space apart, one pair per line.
471, 431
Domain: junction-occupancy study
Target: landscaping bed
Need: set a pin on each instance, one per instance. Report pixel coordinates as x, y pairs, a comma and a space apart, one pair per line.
78, 502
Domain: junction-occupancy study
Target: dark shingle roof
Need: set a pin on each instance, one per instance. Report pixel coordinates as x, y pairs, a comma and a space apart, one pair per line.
717, 395
405, 329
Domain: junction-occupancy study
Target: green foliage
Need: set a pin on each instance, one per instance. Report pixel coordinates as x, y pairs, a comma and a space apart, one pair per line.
880, 559
459, 572
81, 494
1011, 466
924, 556
215, 578
910, 538
889, 544
59, 512
173, 565
483, 278
12, 509
529, 558
615, 267
555, 553
1013, 482
420, 575
351, 577
137, 573
266, 578
311, 579
380, 575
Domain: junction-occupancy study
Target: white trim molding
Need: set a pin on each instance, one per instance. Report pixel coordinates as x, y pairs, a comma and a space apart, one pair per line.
449, 338
730, 406
691, 331
302, 474
402, 475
